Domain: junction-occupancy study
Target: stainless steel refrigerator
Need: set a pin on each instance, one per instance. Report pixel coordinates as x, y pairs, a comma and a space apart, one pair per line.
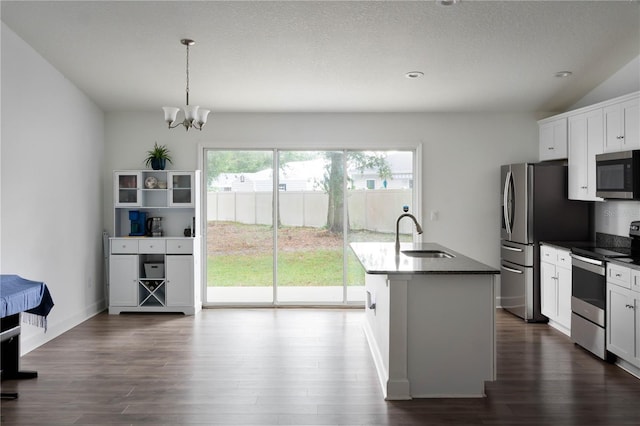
534, 208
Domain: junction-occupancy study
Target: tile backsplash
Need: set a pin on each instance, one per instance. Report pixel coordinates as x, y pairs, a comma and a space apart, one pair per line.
614, 217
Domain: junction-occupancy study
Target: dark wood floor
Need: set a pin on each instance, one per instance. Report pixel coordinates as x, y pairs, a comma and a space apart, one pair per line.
295, 367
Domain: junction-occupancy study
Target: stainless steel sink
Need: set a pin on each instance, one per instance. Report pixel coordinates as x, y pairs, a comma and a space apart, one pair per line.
433, 254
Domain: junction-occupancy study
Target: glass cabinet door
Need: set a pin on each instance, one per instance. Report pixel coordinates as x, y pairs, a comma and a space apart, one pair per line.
181, 189
127, 188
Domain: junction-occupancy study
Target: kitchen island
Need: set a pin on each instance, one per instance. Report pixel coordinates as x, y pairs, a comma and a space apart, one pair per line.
430, 320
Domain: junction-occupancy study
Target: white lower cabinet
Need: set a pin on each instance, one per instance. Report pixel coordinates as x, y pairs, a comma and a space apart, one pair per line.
564, 297
152, 275
123, 279
548, 293
179, 280
555, 287
623, 315
621, 330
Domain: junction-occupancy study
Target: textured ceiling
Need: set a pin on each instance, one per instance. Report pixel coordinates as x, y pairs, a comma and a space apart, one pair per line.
332, 56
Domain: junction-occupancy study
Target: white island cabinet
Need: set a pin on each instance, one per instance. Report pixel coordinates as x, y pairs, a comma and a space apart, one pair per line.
155, 271
430, 322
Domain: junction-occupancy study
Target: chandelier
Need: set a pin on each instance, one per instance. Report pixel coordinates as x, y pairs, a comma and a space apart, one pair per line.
194, 116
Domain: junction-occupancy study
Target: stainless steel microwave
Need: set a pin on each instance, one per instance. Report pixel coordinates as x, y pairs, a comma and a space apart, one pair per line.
618, 175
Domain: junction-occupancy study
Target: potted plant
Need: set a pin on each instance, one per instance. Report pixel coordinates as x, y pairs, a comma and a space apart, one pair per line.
157, 158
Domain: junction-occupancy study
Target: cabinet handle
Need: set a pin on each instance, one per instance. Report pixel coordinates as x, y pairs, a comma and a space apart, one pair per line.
629, 306
583, 187
550, 148
618, 275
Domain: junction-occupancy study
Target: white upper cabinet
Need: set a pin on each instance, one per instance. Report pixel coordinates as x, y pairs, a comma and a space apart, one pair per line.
580, 135
553, 139
622, 126
181, 189
127, 187
586, 136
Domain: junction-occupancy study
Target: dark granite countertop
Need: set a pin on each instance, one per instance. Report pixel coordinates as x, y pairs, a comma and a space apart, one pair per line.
602, 240
381, 258
566, 245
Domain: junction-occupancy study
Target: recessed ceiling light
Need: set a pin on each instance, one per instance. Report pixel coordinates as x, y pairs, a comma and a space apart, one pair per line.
562, 74
414, 74
447, 2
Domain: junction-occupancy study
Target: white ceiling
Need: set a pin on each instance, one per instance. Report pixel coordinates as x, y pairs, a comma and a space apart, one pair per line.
332, 56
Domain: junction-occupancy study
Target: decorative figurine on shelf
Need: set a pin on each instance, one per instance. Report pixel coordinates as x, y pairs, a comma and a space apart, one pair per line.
157, 158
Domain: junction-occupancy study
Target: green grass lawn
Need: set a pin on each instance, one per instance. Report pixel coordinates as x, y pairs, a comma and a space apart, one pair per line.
321, 267
241, 255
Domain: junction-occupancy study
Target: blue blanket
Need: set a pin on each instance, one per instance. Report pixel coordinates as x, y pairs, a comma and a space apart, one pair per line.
20, 295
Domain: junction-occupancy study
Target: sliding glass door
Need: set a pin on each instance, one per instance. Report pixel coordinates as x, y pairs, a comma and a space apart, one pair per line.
239, 233
380, 184
310, 238
282, 238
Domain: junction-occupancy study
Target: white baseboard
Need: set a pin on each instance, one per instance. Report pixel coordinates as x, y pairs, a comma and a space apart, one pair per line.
35, 340
383, 375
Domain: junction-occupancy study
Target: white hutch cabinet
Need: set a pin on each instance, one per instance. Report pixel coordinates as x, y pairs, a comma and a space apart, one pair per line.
155, 272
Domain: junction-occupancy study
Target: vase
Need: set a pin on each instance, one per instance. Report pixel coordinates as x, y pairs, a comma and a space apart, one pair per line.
158, 163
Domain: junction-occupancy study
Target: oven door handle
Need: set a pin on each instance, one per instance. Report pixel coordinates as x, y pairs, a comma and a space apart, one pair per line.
592, 265
587, 260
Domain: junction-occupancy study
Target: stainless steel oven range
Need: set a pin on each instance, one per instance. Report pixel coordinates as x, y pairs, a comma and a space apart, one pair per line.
588, 296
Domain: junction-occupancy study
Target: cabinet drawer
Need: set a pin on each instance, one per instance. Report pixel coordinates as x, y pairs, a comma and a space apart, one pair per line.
124, 246
619, 275
180, 246
564, 258
548, 254
151, 246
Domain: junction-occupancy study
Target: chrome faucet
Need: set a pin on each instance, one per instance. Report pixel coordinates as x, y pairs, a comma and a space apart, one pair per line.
405, 214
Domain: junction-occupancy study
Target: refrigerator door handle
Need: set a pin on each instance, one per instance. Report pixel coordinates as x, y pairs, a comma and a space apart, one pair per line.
519, 250
505, 207
511, 269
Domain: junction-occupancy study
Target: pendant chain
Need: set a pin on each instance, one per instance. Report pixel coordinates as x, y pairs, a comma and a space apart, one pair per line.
187, 75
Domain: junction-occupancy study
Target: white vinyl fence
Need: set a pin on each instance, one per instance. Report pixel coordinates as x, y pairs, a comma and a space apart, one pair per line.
373, 210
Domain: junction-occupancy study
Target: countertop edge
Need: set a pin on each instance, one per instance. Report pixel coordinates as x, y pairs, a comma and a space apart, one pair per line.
380, 258
440, 272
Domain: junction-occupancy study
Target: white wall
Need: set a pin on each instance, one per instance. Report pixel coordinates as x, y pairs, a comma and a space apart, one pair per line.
461, 157
51, 193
